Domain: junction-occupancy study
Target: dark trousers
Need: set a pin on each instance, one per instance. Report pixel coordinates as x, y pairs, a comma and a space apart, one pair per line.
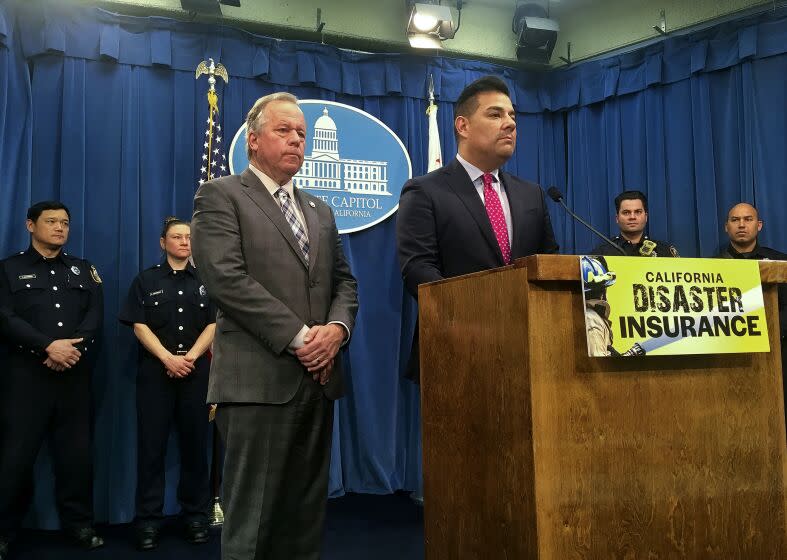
160, 402
36, 405
276, 476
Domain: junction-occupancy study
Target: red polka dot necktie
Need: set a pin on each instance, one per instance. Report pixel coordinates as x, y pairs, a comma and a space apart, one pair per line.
496, 217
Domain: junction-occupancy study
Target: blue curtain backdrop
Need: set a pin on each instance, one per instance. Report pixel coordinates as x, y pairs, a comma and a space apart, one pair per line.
15, 133
697, 123
102, 111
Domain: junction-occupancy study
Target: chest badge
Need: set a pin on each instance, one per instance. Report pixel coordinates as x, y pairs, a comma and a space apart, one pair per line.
158, 292
311, 203
27, 276
202, 291
75, 270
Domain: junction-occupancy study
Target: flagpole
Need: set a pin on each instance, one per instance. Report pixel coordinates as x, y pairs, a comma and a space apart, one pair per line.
211, 69
434, 160
434, 154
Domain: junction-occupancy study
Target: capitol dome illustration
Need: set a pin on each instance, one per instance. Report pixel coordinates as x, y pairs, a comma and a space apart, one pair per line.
324, 169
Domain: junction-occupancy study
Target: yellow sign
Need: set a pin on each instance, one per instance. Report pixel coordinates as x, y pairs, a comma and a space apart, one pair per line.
636, 306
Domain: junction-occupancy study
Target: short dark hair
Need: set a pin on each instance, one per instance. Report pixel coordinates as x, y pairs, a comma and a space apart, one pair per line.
35, 211
631, 195
467, 102
170, 222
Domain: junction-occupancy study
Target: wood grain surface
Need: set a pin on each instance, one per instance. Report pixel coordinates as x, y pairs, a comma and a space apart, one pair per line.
534, 450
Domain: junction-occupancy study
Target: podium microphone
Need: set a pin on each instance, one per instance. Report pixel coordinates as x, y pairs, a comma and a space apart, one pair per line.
557, 196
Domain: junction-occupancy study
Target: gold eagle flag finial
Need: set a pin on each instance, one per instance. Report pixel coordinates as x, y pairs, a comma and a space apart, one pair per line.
212, 70
209, 68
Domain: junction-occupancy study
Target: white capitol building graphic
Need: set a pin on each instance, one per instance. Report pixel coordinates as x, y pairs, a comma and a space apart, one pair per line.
325, 170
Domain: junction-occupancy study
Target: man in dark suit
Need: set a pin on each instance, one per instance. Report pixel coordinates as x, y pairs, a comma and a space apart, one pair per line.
470, 215
272, 260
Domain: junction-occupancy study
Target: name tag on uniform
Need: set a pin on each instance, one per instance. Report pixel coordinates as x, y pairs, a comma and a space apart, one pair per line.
156, 293
27, 276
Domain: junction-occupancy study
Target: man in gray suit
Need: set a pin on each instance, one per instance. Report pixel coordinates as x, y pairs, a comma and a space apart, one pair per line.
272, 260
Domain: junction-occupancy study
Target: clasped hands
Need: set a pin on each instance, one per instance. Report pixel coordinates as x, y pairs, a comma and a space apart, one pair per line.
318, 353
61, 354
179, 366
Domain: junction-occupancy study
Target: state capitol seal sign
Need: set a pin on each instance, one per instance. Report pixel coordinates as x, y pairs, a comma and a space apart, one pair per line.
353, 162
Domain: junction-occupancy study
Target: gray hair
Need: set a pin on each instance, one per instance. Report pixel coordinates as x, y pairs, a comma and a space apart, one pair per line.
256, 115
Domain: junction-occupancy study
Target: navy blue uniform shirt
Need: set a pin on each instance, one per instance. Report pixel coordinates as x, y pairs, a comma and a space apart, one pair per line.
172, 303
45, 299
662, 249
761, 253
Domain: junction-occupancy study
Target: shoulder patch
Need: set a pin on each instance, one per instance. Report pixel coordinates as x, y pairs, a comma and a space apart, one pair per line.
94, 274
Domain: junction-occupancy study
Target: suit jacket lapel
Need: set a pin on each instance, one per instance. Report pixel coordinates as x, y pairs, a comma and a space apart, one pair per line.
313, 226
461, 184
515, 202
257, 192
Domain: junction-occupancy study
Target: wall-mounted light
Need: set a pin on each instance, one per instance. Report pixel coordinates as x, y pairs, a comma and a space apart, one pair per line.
429, 24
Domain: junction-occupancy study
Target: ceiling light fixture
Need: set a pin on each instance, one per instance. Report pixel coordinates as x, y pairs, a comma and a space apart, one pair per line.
429, 24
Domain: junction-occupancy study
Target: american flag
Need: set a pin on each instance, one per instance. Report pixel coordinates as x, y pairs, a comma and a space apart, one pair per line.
214, 160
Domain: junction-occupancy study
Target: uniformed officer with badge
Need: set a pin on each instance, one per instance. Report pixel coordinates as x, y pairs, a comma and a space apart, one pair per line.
631, 214
743, 227
174, 321
51, 312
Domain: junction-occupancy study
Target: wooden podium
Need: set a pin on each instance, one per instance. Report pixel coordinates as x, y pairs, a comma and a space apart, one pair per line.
534, 450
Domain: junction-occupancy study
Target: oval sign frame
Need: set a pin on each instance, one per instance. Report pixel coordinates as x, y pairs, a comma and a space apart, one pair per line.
360, 181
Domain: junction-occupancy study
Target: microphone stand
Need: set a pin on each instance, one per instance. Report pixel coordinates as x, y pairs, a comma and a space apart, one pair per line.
557, 197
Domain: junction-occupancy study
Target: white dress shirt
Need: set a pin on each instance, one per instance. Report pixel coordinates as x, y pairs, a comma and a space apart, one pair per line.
477, 177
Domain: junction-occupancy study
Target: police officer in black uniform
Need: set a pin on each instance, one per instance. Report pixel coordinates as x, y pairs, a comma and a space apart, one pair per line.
743, 226
51, 312
631, 214
174, 321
